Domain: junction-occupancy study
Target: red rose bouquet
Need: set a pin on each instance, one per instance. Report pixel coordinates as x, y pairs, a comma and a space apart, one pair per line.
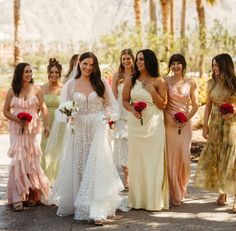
111, 124
180, 117
26, 118
226, 108
139, 107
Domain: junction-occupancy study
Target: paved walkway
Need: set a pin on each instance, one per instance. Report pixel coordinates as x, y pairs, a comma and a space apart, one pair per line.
198, 212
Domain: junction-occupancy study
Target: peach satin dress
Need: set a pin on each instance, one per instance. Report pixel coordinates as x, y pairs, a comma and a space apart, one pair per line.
25, 170
178, 145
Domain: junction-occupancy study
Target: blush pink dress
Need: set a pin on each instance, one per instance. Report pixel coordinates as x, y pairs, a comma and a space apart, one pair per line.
178, 145
25, 171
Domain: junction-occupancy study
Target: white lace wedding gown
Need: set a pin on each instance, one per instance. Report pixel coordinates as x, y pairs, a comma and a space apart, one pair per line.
88, 183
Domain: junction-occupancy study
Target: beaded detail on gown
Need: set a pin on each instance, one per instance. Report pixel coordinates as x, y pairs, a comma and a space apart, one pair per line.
178, 145
217, 164
120, 134
25, 170
88, 183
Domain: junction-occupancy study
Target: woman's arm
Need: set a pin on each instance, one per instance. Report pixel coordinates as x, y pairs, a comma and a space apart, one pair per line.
194, 99
158, 92
114, 86
207, 113
44, 111
126, 98
7, 110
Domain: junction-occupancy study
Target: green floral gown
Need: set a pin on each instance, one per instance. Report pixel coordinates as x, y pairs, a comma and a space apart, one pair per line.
216, 168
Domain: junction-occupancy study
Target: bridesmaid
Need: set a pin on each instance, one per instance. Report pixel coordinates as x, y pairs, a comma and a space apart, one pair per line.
51, 91
26, 182
120, 134
216, 168
182, 92
148, 185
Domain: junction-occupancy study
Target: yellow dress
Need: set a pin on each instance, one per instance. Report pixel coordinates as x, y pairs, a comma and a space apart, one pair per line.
148, 186
50, 160
217, 164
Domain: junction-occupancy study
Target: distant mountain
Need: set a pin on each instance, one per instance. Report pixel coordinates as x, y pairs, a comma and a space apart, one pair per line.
86, 20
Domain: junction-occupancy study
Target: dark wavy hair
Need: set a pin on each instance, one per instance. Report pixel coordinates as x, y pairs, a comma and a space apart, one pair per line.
54, 63
16, 83
95, 77
177, 58
226, 68
150, 62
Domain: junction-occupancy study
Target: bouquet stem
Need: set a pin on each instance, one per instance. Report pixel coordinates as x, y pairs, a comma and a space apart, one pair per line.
179, 131
141, 121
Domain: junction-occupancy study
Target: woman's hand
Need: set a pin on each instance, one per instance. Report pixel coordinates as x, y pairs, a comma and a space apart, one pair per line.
148, 86
136, 113
46, 131
227, 116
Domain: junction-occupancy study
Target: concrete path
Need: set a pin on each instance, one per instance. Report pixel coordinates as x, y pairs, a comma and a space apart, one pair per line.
198, 212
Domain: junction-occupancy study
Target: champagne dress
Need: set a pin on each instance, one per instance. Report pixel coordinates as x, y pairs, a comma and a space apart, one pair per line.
178, 145
25, 170
146, 160
216, 168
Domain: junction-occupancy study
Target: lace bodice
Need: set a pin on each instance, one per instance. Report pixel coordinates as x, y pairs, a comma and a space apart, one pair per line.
90, 104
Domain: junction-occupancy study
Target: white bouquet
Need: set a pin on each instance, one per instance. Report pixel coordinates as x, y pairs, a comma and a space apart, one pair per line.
68, 108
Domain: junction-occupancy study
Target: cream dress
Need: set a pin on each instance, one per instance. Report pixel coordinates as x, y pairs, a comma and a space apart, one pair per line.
120, 134
146, 161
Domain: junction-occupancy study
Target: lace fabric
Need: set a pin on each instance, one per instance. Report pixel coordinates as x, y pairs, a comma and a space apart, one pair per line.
88, 183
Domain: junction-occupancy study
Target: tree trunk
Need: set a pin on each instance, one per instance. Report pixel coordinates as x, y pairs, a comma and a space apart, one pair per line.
182, 27
172, 18
17, 49
153, 16
137, 13
165, 9
202, 34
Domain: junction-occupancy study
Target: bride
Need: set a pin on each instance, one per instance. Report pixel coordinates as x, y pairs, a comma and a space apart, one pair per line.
88, 183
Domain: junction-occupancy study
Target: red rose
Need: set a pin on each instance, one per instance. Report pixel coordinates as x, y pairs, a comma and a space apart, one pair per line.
26, 118
226, 108
111, 124
180, 117
139, 106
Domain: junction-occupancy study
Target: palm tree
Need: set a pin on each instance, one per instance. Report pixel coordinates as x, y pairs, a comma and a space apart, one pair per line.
165, 10
137, 13
172, 18
202, 34
153, 15
182, 26
17, 50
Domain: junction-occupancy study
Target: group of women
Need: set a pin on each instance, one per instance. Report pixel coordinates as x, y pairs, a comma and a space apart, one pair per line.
152, 145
